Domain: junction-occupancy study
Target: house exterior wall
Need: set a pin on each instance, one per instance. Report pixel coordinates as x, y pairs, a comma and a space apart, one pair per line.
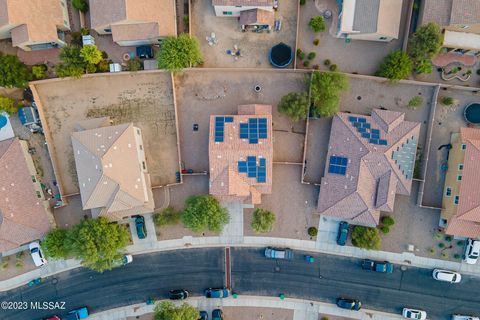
370, 37
455, 158
220, 11
137, 42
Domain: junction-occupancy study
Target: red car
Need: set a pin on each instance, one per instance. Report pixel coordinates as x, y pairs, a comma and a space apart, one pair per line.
54, 318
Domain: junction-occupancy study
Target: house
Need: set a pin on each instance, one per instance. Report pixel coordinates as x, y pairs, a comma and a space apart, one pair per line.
461, 195
111, 169
256, 14
240, 154
34, 24
134, 22
460, 21
24, 215
374, 20
370, 159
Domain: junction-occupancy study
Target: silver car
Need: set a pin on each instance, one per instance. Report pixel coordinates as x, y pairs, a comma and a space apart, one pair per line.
460, 317
37, 254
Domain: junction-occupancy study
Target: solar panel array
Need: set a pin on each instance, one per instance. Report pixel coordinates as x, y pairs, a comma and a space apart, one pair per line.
366, 131
254, 129
338, 165
252, 170
220, 127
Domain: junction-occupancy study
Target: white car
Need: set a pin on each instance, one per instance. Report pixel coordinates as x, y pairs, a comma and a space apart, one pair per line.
472, 251
37, 254
460, 317
447, 276
414, 314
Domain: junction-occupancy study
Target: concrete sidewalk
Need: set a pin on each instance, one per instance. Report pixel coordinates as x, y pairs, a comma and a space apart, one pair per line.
303, 309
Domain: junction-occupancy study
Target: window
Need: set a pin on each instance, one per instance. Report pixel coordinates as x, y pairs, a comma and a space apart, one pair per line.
448, 192
460, 167
144, 165
141, 147
227, 13
34, 179
456, 199
107, 30
464, 146
39, 195
459, 177
383, 38
138, 131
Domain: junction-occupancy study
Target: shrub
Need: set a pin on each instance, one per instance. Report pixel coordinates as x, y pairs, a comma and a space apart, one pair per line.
316, 42
39, 71
448, 238
301, 55
167, 216
299, 51
324, 318
312, 232
311, 56
179, 52
385, 229
395, 66
457, 256
80, 5
425, 42
460, 243
478, 72
294, 105
315, 67
441, 245
306, 63
302, 2
447, 101
431, 251
263, 221
104, 55
317, 24
415, 102
367, 238
19, 264
8, 105
327, 62
438, 235
134, 65
104, 66
90, 54
388, 221
333, 67
423, 66
13, 72
4, 262
91, 68
445, 255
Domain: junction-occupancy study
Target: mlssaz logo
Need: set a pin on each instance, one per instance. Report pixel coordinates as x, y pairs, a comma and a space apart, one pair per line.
47, 305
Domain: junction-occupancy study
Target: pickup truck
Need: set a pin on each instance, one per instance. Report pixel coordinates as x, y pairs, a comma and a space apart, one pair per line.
377, 266
78, 314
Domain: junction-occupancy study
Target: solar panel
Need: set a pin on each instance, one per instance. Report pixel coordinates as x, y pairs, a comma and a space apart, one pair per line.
375, 131
352, 119
362, 120
366, 125
382, 142
375, 136
373, 141
366, 135
228, 119
357, 124
263, 162
362, 130
338, 165
254, 129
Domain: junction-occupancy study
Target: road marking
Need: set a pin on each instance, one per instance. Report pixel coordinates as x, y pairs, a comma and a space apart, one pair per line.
228, 269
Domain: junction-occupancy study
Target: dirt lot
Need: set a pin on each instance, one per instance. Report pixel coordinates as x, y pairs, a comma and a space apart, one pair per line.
203, 93
253, 46
358, 56
146, 99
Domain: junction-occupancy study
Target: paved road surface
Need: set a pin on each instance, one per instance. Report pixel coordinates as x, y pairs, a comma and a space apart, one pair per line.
326, 279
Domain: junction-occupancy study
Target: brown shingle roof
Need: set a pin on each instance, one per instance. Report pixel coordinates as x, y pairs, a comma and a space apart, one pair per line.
372, 175
226, 182
257, 16
451, 12
23, 217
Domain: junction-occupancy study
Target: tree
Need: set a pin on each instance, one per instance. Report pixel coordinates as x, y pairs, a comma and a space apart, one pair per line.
53, 244
97, 243
80, 5
263, 220
367, 238
90, 54
179, 53
294, 105
13, 72
72, 64
8, 105
425, 42
395, 66
204, 212
325, 89
166, 310
39, 71
317, 24
167, 216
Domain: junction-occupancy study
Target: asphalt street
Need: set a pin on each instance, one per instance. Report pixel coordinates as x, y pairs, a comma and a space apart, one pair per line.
329, 277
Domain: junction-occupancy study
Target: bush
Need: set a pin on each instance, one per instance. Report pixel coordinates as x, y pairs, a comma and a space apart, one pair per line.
425, 42
315, 67
367, 238
90, 54
263, 221
423, 66
53, 244
167, 216
204, 213
388, 221
306, 63
447, 101
415, 102
457, 256
316, 42
90, 68
325, 88
4, 262
39, 71
104, 66
478, 72
324, 318
385, 229
80, 5
312, 232
8, 105
104, 55
299, 51
13, 72
445, 255
333, 67
311, 56
317, 24
179, 52
327, 62
302, 2
438, 235
134, 65
441, 245
294, 105
301, 55
431, 251
448, 238
395, 66
460, 243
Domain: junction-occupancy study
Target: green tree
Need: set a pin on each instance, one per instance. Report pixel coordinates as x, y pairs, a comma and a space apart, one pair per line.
80, 5
317, 24
204, 212
168, 216
263, 220
425, 42
68, 70
13, 72
90, 54
8, 105
97, 243
294, 105
424, 66
72, 64
166, 310
367, 238
39, 71
179, 53
395, 66
53, 244
325, 88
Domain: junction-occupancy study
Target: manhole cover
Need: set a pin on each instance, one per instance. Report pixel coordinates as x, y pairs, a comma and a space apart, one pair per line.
277, 269
257, 88
403, 268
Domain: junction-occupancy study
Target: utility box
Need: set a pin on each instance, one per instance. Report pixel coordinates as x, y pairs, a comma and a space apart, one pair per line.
88, 40
115, 67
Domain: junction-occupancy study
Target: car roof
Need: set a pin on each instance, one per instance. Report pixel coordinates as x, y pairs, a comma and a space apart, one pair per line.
475, 245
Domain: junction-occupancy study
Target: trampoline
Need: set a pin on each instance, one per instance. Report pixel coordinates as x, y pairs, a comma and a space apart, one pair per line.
280, 55
472, 113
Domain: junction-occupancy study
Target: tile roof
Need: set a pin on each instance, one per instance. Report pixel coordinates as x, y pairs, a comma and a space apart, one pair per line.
380, 151
257, 16
451, 12
23, 217
232, 157
466, 221
465, 12
109, 170
378, 16
242, 3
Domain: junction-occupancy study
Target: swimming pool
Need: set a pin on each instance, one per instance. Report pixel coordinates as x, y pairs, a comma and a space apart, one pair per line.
472, 113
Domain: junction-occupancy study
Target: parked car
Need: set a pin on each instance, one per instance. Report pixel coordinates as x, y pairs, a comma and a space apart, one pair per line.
217, 314
37, 254
377, 266
179, 294
350, 304
414, 314
53, 318
472, 251
216, 292
203, 315
461, 317
446, 275
78, 314
277, 253
140, 226
342, 235
125, 259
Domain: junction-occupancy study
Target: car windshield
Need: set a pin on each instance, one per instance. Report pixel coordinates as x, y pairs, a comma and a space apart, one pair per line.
34, 250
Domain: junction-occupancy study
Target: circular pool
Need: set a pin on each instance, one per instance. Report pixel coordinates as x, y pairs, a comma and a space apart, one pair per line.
3, 121
472, 113
280, 55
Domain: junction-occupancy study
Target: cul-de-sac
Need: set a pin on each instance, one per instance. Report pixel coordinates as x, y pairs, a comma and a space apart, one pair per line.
239, 159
